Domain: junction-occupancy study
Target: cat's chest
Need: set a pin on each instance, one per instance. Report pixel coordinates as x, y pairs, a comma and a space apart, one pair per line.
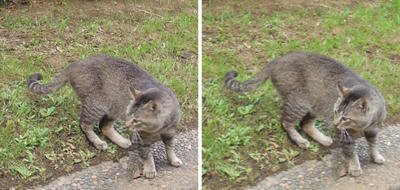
355, 134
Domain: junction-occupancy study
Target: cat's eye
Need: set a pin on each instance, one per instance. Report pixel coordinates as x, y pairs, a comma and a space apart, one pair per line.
135, 122
344, 119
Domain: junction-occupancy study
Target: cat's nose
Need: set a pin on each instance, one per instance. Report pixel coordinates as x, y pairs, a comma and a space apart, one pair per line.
336, 122
128, 123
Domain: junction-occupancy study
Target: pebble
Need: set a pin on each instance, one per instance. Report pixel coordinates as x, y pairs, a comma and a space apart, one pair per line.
94, 177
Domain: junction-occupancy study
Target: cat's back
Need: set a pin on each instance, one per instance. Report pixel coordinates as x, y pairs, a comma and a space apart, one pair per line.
309, 71
96, 72
111, 77
309, 63
109, 67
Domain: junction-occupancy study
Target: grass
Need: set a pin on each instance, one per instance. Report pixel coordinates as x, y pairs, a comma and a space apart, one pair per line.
242, 136
39, 135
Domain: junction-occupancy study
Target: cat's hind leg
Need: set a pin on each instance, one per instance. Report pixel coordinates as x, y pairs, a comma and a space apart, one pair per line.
169, 143
292, 114
308, 127
89, 117
371, 137
106, 125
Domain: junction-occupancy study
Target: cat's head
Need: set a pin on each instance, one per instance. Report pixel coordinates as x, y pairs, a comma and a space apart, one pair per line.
143, 112
351, 111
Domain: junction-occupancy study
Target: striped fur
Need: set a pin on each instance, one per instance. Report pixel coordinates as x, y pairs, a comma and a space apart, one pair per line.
248, 85
54, 85
314, 86
113, 89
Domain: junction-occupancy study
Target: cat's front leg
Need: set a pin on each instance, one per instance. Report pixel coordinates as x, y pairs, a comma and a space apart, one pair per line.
87, 121
354, 166
106, 126
371, 137
149, 168
169, 143
352, 159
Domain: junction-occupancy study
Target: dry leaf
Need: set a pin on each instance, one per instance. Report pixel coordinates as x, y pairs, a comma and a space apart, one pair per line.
212, 173
59, 49
71, 145
60, 3
12, 7
343, 171
137, 174
246, 45
274, 144
3, 173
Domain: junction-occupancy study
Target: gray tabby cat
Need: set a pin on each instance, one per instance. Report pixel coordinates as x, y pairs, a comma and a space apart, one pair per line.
110, 89
314, 86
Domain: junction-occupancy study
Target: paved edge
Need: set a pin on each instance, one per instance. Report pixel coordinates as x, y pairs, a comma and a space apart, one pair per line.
119, 175
324, 174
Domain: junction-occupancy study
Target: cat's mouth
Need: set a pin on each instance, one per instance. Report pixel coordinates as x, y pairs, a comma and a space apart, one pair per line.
345, 137
131, 123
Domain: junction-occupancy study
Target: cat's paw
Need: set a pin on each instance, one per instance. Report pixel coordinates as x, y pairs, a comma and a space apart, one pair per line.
125, 143
176, 162
379, 159
101, 145
355, 172
149, 174
326, 141
149, 169
303, 143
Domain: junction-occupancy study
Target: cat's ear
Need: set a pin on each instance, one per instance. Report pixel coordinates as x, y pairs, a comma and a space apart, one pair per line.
363, 104
135, 93
154, 106
342, 90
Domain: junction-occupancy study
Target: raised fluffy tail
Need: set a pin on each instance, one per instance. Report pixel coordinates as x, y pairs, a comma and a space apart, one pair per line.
55, 84
245, 86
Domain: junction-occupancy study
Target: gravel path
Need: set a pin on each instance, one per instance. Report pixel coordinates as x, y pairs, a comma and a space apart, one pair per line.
109, 175
325, 174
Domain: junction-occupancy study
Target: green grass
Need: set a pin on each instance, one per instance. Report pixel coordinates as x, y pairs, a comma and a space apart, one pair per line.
39, 135
242, 136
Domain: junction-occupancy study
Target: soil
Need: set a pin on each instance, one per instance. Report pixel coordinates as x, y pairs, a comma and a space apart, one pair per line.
277, 5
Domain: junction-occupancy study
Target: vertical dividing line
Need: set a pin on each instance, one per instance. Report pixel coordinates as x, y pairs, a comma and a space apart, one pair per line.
200, 92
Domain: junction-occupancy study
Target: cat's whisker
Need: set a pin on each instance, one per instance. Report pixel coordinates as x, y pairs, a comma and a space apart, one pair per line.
347, 136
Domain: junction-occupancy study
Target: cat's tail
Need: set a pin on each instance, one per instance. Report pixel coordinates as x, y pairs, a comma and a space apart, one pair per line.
248, 85
55, 84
